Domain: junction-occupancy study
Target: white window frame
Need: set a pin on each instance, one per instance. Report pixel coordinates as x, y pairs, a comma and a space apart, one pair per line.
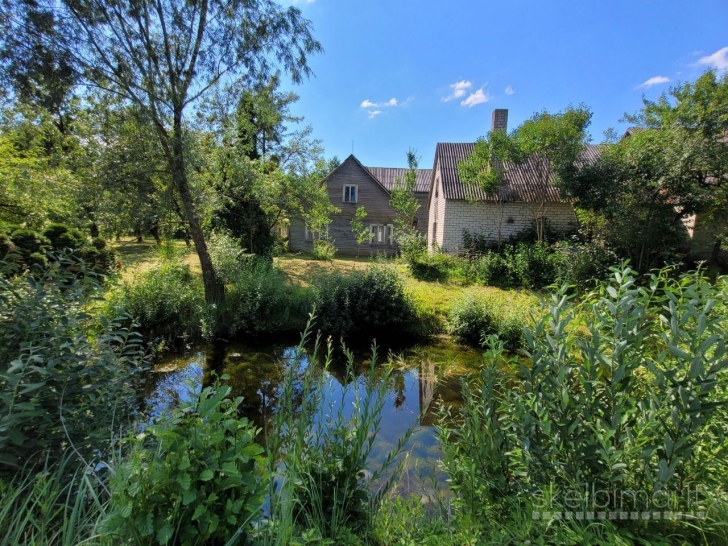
386, 231
310, 236
356, 193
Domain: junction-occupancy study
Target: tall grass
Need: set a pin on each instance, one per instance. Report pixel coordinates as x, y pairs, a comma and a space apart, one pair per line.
60, 504
320, 447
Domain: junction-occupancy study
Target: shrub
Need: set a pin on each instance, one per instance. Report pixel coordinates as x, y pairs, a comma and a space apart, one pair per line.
369, 302
167, 300
631, 404
323, 249
472, 319
26, 249
195, 476
412, 246
584, 264
436, 266
65, 375
260, 299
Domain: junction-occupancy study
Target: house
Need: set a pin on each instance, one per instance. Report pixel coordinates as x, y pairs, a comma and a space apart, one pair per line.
455, 207
352, 185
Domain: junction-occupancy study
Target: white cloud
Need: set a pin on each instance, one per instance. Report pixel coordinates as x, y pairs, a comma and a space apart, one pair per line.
458, 90
509, 90
718, 60
654, 80
479, 97
374, 113
391, 102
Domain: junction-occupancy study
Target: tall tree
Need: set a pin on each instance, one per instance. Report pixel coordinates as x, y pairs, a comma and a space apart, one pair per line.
403, 200
674, 164
551, 144
167, 55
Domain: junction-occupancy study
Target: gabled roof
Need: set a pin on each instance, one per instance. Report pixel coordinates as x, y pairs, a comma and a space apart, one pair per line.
388, 176
362, 167
520, 181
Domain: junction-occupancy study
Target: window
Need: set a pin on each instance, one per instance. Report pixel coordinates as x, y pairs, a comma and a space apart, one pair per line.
381, 234
311, 235
434, 231
350, 193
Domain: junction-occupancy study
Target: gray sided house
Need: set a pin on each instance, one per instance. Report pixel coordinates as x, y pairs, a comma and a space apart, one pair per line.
352, 185
455, 207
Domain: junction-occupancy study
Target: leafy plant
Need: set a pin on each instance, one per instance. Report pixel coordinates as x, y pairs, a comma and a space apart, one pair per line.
472, 319
195, 475
322, 445
166, 299
323, 249
66, 375
372, 301
619, 392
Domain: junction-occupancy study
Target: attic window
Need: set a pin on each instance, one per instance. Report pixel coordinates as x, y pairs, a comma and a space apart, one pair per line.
350, 193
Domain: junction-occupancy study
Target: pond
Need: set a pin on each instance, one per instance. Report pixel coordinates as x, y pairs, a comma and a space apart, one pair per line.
422, 377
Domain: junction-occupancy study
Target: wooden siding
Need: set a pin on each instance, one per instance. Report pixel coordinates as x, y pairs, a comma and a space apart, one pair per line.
371, 195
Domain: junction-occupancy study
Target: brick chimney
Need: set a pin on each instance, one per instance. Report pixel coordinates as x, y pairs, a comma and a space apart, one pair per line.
500, 120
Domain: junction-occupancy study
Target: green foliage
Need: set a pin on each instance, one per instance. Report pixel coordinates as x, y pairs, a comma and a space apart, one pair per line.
472, 319
66, 375
403, 200
584, 264
365, 302
323, 447
195, 475
166, 300
323, 249
551, 143
624, 392
436, 266
676, 155
60, 503
412, 247
360, 230
24, 248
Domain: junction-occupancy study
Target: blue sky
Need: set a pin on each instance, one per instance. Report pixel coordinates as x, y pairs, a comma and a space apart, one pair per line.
410, 73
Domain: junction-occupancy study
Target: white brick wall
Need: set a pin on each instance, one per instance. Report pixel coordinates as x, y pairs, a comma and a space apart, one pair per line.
484, 218
437, 213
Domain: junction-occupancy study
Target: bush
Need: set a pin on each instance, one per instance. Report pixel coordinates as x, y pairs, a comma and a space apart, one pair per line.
472, 319
436, 266
584, 264
194, 476
260, 299
65, 375
412, 246
634, 403
26, 249
323, 249
167, 300
365, 302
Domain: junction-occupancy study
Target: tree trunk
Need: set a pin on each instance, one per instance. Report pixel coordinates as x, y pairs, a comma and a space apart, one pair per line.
214, 288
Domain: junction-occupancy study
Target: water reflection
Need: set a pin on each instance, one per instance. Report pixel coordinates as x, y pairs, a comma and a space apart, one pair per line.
420, 379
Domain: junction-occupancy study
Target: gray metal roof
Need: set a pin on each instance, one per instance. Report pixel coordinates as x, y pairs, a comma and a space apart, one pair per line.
520, 181
387, 177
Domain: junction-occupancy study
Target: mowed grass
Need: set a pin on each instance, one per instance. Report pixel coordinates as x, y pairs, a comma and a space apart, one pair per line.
135, 258
434, 298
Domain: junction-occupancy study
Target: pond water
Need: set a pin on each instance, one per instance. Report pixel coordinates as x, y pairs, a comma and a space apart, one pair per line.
422, 377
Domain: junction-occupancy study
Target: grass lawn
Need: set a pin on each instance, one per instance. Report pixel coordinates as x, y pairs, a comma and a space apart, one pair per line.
434, 297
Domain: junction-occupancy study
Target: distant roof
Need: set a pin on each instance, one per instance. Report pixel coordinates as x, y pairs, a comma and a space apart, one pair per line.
519, 180
387, 177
